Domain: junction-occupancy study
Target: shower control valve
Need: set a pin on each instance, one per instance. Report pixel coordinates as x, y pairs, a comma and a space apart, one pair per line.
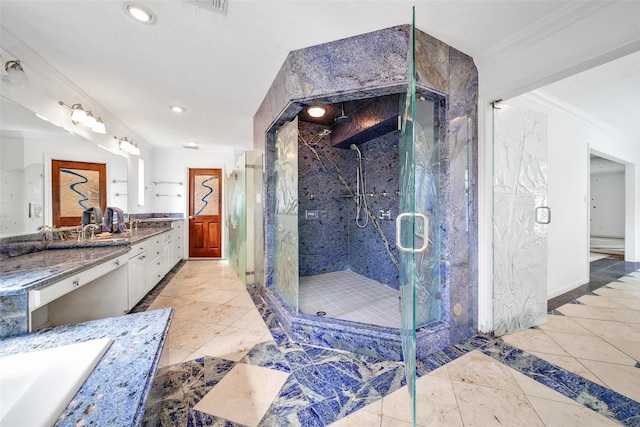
384, 215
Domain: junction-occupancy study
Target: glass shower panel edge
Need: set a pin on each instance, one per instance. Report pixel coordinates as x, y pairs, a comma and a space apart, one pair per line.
286, 266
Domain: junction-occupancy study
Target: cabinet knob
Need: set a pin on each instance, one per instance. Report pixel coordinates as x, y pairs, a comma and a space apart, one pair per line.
76, 282
117, 262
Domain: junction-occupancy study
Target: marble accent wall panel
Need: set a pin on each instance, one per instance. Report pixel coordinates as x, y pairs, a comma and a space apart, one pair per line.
372, 250
324, 243
460, 156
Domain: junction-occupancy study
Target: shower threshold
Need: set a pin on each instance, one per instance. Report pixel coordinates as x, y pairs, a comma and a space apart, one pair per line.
381, 342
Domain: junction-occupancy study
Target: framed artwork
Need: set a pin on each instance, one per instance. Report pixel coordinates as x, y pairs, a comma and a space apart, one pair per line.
76, 186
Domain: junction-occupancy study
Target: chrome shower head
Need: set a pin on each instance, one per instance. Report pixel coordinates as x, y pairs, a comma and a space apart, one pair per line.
343, 117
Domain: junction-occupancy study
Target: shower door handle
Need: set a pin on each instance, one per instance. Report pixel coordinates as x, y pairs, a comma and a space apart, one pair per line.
543, 215
425, 240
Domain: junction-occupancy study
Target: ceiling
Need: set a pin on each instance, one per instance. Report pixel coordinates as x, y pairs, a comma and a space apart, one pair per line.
219, 67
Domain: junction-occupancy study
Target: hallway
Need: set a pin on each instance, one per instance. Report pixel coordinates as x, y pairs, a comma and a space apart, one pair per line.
227, 359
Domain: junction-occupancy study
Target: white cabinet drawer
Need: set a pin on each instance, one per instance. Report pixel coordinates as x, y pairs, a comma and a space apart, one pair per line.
112, 264
138, 249
49, 293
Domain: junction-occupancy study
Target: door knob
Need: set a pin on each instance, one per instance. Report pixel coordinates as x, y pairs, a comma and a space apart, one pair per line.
190, 216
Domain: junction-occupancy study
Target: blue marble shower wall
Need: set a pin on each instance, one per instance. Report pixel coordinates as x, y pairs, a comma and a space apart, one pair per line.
331, 241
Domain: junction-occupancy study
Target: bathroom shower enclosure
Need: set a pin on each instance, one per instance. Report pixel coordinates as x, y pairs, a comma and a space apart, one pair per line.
419, 241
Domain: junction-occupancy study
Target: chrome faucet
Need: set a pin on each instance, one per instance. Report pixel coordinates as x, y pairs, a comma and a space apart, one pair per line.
45, 229
82, 236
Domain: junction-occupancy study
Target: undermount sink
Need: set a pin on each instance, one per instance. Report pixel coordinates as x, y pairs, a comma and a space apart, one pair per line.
36, 387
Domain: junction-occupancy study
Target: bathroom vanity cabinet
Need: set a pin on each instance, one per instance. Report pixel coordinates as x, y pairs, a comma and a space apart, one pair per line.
138, 274
149, 261
177, 237
94, 293
74, 282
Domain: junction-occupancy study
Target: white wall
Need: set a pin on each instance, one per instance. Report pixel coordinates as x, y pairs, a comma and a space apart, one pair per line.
174, 165
607, 204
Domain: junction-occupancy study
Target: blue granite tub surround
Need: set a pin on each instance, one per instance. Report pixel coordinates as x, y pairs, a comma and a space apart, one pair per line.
115, 394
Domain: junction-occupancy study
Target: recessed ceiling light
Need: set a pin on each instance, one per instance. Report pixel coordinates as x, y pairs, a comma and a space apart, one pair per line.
177, 109
316, 111
139, 12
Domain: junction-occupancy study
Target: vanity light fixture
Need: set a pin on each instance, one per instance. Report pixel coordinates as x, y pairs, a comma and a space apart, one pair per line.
191, 144
316, 111
14, 73
139, 13
128, 146
99, 127
78, 115
85, 118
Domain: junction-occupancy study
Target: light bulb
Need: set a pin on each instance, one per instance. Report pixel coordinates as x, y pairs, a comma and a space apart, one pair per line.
99, 127
90, 121
316, 111
78, 115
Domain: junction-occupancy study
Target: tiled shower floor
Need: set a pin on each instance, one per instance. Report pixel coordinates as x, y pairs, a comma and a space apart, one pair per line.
349, 296
231, 364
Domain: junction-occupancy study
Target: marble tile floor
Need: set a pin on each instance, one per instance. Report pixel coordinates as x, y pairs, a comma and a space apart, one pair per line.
601, 272
230, 364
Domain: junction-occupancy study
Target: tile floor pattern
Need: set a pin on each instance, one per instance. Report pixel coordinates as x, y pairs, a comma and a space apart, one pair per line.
350, 296
230, 364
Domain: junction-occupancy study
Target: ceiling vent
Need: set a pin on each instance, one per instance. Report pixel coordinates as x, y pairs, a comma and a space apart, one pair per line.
219, 6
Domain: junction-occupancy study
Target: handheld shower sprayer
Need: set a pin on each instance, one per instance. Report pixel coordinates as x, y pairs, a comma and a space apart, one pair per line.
355, 147
360, 197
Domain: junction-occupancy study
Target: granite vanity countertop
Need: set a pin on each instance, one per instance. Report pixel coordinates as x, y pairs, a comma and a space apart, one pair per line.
24, 273
115, 394
116, 239
32, 271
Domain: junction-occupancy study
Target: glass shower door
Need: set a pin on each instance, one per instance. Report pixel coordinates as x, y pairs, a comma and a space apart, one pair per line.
286, 222
236, 221
417, 221
520, 218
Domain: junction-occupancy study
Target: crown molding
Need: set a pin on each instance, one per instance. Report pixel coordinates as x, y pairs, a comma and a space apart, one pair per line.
542, 28
549, 101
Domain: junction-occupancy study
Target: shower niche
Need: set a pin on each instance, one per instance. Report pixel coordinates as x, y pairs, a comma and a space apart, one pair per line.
335, 185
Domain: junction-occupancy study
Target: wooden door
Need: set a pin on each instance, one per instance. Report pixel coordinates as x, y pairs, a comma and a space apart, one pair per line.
205, 212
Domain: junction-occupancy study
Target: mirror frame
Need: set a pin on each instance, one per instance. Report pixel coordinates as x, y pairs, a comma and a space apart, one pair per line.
64, 195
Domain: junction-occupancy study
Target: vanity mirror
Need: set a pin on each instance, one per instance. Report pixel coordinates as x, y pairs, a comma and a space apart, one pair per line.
28, 145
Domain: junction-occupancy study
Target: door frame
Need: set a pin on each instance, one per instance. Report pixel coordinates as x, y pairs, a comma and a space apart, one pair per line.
629, 192
223, 210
